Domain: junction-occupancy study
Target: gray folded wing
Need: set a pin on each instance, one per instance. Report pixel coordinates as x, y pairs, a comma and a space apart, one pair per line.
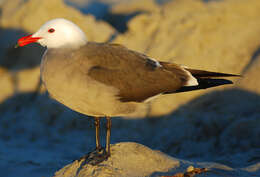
136, 76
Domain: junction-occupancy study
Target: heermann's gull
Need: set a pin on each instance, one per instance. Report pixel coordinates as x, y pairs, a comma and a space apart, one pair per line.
106, 80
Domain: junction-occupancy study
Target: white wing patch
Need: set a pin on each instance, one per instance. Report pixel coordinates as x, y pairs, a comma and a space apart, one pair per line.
192, 81
156, 62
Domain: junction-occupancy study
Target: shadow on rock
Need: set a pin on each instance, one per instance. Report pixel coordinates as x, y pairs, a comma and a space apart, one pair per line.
16, 59
217, 124
95, 8
120, 21
102, 11
254, 57
13, 60
222, 126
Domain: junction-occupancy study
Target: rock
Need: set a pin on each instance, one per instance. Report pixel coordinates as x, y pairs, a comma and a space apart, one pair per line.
217, 36
128, 7
1, 2
122, 12
115, 12
30, 15
15, 82
135, 160
250, 79
127, 160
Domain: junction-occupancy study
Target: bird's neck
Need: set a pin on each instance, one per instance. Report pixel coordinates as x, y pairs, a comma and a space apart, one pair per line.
69, 45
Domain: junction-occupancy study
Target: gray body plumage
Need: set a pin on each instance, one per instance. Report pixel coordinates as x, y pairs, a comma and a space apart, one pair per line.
101, 79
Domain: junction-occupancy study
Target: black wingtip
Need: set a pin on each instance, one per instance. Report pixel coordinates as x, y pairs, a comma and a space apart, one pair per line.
207, 74
213, 82
204, 84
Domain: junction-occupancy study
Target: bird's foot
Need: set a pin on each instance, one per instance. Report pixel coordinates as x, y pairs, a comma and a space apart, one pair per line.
95, 157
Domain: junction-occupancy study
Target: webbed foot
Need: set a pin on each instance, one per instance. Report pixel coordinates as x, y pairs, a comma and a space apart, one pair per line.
95, 157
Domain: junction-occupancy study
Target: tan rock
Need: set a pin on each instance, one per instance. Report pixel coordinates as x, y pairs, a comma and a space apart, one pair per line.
30, 15
250, 80
127, 7
120, 6
219, 36
127, 160
15, 82
135, 160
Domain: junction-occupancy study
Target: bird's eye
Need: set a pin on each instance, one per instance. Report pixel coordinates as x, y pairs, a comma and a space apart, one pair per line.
51, 30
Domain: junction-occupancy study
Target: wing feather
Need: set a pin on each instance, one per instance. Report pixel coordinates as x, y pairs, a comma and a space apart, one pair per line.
135, 75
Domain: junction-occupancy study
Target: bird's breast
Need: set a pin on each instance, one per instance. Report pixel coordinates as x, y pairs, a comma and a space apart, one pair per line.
66, 79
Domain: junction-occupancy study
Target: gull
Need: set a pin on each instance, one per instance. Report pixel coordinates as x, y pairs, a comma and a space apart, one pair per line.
106, 79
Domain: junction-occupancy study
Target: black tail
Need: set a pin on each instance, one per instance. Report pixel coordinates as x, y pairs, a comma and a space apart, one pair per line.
206, 79
204, 84
207, 74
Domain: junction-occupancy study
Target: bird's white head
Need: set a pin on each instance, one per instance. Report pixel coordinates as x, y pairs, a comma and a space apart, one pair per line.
56, 33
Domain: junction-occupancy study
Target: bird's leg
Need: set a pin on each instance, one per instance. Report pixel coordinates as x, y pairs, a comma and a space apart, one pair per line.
109, 123
99, 154
97, 126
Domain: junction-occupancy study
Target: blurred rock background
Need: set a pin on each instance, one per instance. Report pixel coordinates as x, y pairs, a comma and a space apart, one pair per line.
38, 136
